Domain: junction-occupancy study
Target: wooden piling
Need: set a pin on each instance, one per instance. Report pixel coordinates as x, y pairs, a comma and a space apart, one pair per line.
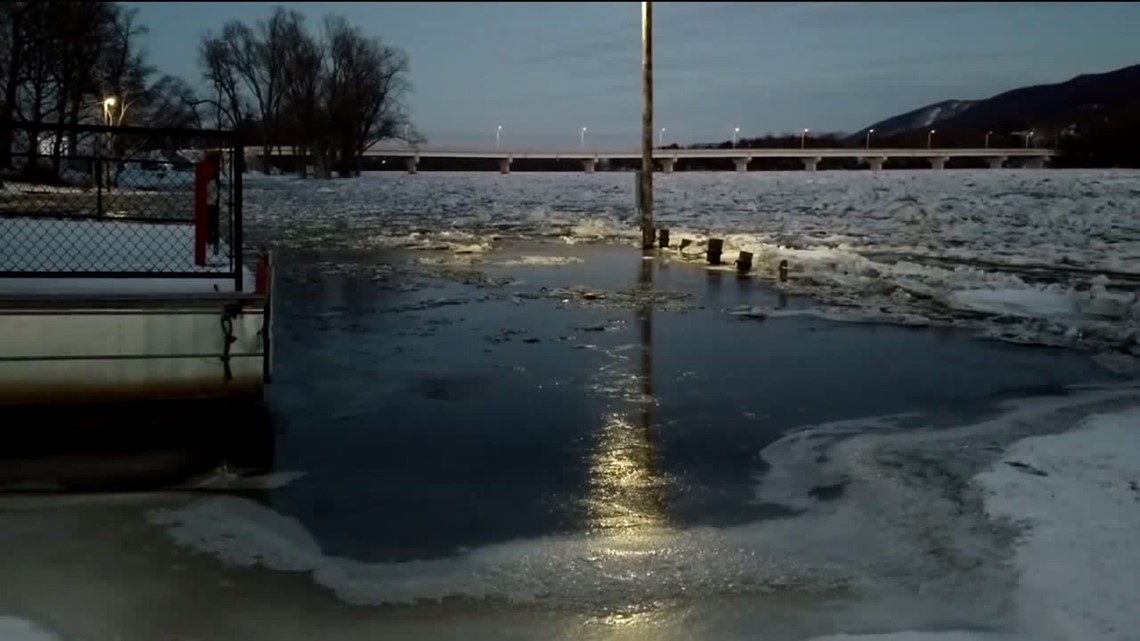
716, 245
744, 262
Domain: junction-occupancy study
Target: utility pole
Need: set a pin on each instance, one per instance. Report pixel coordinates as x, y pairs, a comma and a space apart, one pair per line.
645, 195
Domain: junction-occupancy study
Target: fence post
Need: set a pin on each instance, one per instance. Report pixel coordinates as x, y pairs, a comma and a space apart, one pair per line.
237, 166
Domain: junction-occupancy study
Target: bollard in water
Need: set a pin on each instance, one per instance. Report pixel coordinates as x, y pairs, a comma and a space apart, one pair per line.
662, 237
744, 262
685, 242
783, 271
715, 247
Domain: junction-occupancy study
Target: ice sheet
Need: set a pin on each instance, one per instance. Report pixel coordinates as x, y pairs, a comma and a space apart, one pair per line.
902, 532
960, 246
13, 629
915, 637
1078, 493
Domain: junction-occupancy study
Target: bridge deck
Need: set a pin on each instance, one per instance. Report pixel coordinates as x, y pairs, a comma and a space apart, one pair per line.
409, 152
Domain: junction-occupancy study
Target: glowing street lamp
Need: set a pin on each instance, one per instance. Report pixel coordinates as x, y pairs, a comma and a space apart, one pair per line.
661, 137
930, 139
988, 134
869, 132
803, 138
1027, 138
735, 131
108, 105
498, 132
583, 137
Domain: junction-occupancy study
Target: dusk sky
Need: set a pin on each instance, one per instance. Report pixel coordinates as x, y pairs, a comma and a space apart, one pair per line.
545, 70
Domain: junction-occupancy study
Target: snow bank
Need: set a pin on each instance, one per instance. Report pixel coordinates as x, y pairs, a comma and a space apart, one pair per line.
1078, 493
13, 629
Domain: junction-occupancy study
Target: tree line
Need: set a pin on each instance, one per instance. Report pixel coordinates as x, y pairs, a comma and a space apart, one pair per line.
327, 96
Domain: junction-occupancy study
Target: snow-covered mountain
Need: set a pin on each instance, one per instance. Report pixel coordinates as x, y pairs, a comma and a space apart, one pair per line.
920, 118
1088, 99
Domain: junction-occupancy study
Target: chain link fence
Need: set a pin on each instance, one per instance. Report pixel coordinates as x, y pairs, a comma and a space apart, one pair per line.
93, 201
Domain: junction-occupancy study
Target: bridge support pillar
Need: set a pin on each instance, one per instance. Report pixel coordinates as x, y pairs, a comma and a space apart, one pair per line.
741, 164
590, 164
996, 161
938, 162
667, 164
876, 163
1034, 163
504, 165
411, 164
811, 164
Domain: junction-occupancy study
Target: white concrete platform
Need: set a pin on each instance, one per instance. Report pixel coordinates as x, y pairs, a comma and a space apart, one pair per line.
118, 339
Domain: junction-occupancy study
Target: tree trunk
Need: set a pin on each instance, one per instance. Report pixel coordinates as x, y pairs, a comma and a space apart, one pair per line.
7, 109
266, 148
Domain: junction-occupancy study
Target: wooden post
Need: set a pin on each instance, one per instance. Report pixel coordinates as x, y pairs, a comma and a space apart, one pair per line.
662, 237
716, 245
744, 262
645, 202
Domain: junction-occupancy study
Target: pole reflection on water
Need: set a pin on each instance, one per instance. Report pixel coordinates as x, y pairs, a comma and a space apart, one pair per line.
627, 491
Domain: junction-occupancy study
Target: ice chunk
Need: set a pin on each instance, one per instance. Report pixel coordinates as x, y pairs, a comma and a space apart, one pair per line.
13, 629
1029, 303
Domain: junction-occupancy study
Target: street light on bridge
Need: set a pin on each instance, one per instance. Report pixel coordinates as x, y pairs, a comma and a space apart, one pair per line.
803, 138
735, 131
930, 139
1028, 138
988, 134
661, 137
869, 132
583, 137
498, 132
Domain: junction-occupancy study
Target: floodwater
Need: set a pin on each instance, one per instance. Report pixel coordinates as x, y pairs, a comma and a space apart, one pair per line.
519, 449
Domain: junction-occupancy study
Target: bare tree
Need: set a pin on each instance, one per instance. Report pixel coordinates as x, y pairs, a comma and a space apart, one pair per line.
14, 40
304, 73
123, 71
218, 70
172, 103
367, 81
329, 96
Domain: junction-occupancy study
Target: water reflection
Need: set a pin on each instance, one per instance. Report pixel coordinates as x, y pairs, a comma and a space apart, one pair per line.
627, 491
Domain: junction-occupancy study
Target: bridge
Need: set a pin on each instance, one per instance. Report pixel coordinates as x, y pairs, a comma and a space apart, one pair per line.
669, 158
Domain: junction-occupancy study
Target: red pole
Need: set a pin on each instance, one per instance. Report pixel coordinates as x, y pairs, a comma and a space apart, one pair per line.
204, 172
261, 276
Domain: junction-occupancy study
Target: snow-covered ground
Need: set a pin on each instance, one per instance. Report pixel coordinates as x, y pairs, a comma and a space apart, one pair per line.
30, 245
1024, 255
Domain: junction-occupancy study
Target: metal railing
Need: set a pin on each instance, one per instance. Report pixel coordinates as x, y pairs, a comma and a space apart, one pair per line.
89, 201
